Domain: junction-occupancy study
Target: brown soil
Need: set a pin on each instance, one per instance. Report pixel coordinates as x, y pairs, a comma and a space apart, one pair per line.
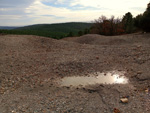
31, 66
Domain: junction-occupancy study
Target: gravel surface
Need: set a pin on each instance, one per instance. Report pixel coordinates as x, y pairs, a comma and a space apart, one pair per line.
31, 68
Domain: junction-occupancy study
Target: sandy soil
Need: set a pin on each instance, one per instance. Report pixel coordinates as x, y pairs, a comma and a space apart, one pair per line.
31, 67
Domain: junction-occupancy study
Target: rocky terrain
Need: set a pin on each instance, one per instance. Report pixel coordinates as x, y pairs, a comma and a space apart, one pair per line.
31, 69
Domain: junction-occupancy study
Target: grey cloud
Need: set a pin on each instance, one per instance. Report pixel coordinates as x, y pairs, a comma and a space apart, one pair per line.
14, 7
12, 11
15, 22
15, 3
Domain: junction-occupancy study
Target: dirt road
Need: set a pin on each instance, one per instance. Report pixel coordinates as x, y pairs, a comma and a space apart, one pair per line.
31, 69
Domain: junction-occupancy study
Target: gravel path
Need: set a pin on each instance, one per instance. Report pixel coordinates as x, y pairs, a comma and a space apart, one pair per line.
32, 66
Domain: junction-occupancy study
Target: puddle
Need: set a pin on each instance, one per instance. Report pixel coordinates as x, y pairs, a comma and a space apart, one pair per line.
95, 78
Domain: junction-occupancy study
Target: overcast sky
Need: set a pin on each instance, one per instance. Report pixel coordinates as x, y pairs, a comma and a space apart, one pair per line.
27, 12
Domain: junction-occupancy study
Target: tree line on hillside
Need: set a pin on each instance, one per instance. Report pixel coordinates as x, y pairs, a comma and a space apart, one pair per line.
117, 26
56, 31
80, 33
55, 35
52, 34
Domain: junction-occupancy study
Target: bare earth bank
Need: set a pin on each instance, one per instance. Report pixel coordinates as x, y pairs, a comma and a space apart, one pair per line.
31, 67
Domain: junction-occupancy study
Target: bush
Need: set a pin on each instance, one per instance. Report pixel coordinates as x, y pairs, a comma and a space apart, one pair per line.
109, 27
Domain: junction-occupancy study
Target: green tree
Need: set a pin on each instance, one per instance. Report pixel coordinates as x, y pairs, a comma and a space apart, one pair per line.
146, 19
80, 33
86, 31
138, 21
70, 34
128, 22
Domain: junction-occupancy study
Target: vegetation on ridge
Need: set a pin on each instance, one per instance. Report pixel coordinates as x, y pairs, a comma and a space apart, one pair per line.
125, 25
56, 31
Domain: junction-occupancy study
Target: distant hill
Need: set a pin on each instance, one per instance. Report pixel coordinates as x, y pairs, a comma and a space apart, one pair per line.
64, 27
54, 30
7, 27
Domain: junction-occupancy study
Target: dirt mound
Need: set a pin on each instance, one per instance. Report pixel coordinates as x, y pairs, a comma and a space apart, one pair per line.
98, 40
94, 39
32, 67
86, 39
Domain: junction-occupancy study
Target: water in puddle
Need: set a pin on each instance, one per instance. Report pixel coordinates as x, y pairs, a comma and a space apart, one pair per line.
95, 78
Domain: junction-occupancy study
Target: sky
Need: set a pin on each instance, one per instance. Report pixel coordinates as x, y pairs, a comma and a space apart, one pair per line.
28, 12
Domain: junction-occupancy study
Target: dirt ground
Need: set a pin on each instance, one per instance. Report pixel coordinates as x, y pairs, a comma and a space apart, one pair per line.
31, 68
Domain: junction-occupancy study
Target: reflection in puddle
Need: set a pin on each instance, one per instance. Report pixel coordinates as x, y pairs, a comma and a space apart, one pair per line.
95, 78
